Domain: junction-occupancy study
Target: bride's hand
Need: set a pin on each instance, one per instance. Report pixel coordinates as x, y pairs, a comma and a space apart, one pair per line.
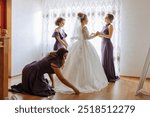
93, 34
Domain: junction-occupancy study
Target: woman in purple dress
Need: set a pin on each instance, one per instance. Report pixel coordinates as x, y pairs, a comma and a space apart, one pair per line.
107, 49
60, 34
33, 81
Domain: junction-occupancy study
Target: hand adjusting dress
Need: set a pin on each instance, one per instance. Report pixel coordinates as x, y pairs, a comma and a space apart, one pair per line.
82, 67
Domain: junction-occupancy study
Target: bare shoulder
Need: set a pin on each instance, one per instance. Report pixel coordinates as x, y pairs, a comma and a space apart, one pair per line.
110, 26
57, 30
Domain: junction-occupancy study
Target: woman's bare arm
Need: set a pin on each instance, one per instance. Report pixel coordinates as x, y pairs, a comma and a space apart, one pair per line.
86, 33
65, 43
59, 39
62, 79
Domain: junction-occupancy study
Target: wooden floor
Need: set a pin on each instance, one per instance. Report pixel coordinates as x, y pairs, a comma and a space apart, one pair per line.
123, 89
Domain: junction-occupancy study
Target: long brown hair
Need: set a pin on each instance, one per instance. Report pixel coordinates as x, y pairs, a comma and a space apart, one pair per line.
58, 55
61, 52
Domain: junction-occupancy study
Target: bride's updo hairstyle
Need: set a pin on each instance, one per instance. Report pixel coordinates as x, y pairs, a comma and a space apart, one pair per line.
82, 16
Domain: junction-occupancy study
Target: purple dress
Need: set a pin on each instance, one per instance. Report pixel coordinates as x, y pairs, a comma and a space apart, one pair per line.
61, 33
107, 56
33, 81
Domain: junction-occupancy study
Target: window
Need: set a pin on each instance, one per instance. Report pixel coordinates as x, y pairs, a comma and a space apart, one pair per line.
68, 9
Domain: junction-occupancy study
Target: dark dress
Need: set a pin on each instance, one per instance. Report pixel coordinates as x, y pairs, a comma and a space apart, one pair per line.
33, 81
107, 56
61, 33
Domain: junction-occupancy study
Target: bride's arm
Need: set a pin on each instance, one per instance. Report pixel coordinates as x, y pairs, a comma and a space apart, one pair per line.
86, 33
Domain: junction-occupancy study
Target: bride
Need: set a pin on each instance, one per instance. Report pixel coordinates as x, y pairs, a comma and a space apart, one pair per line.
83, 67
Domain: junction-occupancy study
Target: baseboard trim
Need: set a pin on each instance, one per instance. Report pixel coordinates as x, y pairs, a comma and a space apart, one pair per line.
15, 76
131, 76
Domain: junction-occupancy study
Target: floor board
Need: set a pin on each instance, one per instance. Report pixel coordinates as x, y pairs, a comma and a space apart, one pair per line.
123, 89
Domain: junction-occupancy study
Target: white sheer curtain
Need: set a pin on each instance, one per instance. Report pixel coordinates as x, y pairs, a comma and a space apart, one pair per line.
68, 9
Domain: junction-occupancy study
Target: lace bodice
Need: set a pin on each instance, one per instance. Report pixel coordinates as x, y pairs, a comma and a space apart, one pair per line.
86, 33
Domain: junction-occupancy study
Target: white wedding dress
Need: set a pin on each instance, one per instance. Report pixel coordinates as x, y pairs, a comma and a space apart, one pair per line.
82, 67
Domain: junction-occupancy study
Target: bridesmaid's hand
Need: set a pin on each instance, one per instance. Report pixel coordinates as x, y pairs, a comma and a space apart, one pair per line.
52, 85
98, 33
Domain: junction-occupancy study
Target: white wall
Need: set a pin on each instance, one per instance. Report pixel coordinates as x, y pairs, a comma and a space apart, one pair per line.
26, 33
135, 35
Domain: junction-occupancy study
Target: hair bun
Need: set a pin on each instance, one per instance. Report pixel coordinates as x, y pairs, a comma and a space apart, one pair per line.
81, 15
